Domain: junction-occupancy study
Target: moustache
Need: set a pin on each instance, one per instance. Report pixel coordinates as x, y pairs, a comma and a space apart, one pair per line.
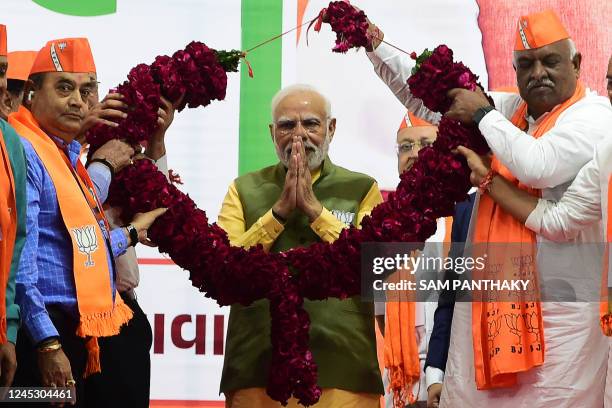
308, 147
544, 82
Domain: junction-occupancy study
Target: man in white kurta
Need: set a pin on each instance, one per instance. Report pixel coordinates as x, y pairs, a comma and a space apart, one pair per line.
573, 373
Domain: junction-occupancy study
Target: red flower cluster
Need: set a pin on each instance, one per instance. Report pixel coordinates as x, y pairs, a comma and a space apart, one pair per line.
194, 72
437, 75
349, 24
427, 191
141, 93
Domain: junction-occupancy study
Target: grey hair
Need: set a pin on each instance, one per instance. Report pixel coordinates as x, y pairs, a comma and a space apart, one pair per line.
570, 42
288, 90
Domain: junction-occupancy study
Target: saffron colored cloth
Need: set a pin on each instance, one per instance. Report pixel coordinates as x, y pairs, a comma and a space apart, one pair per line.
45, 275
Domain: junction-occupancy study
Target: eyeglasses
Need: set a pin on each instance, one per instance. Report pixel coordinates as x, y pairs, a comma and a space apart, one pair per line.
286, 127
407, 147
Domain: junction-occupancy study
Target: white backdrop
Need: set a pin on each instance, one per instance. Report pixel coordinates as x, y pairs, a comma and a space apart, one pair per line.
203, 143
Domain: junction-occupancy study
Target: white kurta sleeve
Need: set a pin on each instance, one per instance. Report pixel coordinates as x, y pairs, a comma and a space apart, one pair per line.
555, 157
579, 207
394, 68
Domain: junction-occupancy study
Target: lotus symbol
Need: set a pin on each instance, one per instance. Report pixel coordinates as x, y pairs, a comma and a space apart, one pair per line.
494, 328
531, 321
87, 242
512, 321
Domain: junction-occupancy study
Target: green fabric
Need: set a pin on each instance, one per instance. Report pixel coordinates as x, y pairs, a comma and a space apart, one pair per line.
18, 165
261, 19
342, 337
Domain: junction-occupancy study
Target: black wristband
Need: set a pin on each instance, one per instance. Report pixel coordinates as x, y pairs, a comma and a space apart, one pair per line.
480, 113
133, 234
104, 162
278, 217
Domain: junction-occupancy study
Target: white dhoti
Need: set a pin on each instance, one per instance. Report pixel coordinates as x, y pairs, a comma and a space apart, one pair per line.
573, 374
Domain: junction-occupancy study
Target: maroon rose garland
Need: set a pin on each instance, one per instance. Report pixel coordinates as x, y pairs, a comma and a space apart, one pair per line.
429, 190
349, 24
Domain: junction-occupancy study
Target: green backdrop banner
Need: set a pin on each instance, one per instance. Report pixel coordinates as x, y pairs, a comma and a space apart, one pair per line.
261, 19
80, 7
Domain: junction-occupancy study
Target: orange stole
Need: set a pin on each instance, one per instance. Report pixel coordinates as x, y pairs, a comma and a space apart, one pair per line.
8, 230
499, 328
401, 351
102, 312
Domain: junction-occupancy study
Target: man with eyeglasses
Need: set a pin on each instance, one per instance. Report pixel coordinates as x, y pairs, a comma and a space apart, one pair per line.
303, 199
432, 320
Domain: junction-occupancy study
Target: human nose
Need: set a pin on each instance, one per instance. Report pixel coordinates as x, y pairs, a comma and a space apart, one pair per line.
538, 72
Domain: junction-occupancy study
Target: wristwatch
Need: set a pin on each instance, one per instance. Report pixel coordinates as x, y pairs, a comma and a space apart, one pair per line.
133, 234
480, 113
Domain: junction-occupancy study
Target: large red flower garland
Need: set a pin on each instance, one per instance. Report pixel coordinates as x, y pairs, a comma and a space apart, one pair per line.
429, 190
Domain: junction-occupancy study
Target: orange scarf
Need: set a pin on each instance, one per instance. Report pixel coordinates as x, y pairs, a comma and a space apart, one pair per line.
508, 337
102, 312
401, 354
8, 230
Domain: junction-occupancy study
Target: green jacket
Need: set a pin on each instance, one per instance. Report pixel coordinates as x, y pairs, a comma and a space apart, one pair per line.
341, 337
18, 165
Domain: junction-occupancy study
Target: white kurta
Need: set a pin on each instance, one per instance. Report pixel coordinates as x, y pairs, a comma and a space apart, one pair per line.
585, 202
574, 370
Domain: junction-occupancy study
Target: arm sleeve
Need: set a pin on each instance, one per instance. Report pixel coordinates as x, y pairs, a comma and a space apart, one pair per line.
162, 165
394, 68
101, 178
433, 375
439, 341
119, 242
33, 312
231, 218
579, 207
18, 164
328, 227
557, 156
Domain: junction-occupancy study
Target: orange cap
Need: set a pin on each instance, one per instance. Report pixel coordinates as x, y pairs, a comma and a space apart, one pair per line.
539, 29
410, 120
20, 64
2, 40
64, 55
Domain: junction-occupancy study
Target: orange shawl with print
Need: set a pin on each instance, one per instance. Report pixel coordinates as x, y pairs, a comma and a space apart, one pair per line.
508, 336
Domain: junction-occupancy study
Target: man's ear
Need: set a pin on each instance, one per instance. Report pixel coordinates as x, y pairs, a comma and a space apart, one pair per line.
271, 127
331, 129
576, 61
28, 94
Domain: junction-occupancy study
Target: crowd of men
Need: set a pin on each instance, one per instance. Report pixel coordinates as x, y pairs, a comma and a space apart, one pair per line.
70, 318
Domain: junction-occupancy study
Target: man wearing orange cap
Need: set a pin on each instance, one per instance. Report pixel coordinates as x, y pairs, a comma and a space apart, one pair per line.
540, 139
12, 228
126, 357
587, 200
432, 321
65, 282
20, 63
417, 319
